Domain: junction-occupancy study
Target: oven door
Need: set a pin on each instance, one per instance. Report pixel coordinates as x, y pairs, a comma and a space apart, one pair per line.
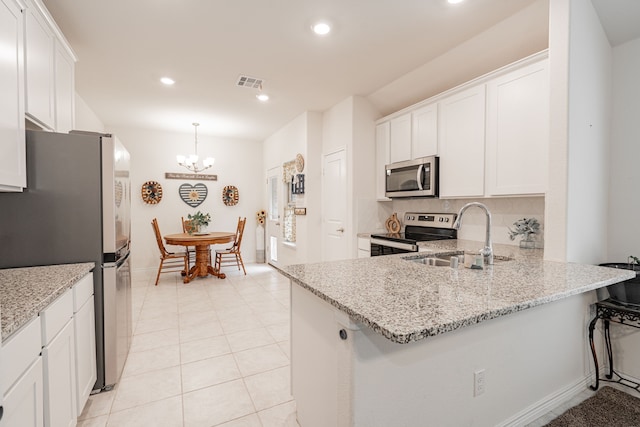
388, 247
413, 178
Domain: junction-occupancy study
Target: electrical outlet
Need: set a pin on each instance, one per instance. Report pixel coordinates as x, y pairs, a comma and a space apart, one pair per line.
479, 382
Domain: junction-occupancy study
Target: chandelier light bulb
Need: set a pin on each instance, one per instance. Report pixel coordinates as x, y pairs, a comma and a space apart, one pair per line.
191, 162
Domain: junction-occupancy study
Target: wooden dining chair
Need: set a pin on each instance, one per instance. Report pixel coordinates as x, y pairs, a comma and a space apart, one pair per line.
232, 255
169, 261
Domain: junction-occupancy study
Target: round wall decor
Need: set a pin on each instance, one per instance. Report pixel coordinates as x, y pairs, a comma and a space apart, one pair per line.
299, 163
230, 195
151, 192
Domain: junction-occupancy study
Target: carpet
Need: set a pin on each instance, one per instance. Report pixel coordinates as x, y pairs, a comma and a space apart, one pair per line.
608, 407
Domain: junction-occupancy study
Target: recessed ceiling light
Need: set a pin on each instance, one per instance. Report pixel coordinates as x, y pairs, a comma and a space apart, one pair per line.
262, 97
455, 1
321, 28
167, 81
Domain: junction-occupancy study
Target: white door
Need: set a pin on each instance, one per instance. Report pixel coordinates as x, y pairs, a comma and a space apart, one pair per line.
334, 207
274, 191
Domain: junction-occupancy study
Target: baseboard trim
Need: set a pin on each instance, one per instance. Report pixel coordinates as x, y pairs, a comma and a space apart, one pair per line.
547, 404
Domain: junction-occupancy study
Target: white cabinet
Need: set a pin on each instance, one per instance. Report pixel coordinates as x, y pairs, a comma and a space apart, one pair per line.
382, 158
424, 123
59, 362
85, 340
21, 372
400, 138
13, 175
39, 66
64, 88
518, 131
364, 247
461, 126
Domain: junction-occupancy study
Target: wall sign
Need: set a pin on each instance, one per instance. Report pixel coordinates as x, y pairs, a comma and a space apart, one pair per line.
193, 195
192, 176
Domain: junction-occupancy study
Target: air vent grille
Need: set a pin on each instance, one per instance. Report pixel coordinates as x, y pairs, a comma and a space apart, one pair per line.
250, 82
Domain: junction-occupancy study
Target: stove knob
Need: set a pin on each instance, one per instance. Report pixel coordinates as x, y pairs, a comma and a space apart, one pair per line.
441, 219
446, 220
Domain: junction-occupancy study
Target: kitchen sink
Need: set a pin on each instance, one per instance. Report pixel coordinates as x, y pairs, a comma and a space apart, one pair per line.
444, 260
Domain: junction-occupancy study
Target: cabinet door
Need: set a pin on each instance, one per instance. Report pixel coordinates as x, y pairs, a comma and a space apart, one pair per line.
23, 402
13, 176
400, 138
518, 131
382, 158
39, 63
64, 89
424, 123
461, 124
60, 379
85, 346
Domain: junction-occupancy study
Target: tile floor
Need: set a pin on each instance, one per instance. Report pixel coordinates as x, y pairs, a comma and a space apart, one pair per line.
210, 353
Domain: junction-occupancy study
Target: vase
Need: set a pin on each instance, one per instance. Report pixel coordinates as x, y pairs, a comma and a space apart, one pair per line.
528, 243
260, 255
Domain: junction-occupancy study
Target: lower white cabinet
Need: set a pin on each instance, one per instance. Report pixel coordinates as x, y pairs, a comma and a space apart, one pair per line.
85, 340
59, 362
364, 247
23, 401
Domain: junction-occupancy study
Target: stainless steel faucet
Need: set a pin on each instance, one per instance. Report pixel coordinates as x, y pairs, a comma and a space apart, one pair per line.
487, 251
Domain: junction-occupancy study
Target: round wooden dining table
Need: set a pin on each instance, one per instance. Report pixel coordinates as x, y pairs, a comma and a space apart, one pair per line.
202, 242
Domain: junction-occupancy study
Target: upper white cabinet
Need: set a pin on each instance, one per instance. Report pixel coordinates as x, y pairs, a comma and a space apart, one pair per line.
13, 176
64, 88
461, 128
424, 125
39, 65
518, 131
400, 138
382, 158
49, 69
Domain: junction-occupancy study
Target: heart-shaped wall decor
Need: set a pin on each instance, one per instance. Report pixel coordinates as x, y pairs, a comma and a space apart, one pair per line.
193, 195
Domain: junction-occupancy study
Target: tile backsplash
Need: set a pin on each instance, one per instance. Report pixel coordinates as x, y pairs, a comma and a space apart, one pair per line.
504, 212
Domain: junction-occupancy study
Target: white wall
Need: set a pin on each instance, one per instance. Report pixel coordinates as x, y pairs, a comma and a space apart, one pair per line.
153, 153
624, 197
302, 135
85, 118
590, 73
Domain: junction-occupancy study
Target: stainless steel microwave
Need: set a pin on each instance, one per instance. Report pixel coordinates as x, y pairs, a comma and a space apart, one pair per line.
412, 178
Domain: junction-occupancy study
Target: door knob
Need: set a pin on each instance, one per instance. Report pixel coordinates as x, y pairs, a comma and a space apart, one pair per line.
341, 230
278, 223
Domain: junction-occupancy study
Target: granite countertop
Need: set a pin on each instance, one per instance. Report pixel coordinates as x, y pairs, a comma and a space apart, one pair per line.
24, 292
407, 301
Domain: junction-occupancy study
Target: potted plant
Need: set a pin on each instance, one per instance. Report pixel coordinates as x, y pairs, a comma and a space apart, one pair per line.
197, 222
527, 228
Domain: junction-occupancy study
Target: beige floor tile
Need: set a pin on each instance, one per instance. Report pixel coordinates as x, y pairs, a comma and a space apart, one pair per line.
261, 359
194, 306
205, 348
100, 421
280, 331
270, 388
208, 372
244, 340
194, 331
240, 324
285, 346
146, 388
166, 321
248, 421
279, 416
98, 404
152, 340
217, 404
196, 318
274, 317
152, 360
165, 413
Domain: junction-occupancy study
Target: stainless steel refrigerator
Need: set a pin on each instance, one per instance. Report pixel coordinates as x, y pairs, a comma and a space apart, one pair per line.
76, 208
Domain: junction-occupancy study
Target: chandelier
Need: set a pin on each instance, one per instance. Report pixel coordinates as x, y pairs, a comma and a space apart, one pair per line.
191, 162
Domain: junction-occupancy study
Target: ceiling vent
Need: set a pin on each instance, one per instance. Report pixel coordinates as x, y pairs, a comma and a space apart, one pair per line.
250, 82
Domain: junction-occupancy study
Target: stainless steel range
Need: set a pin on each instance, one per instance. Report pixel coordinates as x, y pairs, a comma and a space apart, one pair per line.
419, 227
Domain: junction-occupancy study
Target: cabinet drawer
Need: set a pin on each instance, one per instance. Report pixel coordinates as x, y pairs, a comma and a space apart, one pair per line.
364, 244
82, 291
56, 316
19, 351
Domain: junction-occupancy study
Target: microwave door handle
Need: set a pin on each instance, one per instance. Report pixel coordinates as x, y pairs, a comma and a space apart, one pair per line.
419, 176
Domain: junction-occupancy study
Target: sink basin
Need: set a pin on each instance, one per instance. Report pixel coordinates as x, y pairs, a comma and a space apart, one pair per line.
433, 261
444, 260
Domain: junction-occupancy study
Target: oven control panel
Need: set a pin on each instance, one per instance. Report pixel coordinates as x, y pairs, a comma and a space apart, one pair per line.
439, 220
